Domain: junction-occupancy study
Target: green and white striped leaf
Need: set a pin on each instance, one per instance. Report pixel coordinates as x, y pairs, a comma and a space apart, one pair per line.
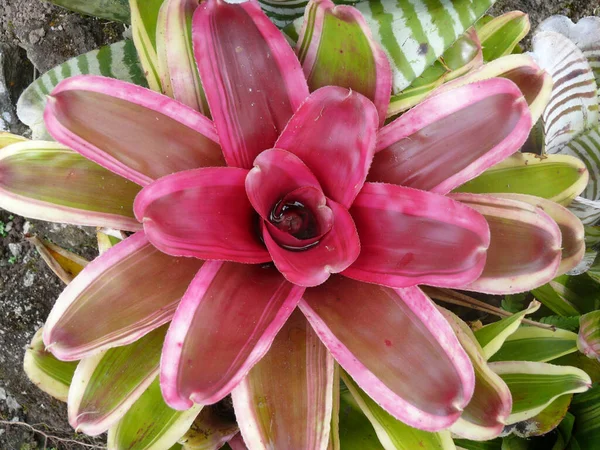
588, 340
393, 434
500, 35
545, 421
536, 344
144, 22
586, 409
559, 178
579, 360
48, 373
104, 9
535, 385
568, 295
210, 431
492, 336
289, 13
573, 106
463, 56
585, 34
415, 33
356, 431
106, 385
150, 424
118, 60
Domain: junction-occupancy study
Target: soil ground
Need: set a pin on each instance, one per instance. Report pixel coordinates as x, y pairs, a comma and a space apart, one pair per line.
34, 37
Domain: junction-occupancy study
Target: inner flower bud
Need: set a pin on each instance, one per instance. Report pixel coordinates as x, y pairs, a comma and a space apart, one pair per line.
294, 218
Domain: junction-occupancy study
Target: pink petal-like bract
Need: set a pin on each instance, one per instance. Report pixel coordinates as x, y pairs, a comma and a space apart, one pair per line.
397, 346
252, 78
411, 237
132, 131
119, 297
333, 253
452, 137
224, 325
333, 133
203, 213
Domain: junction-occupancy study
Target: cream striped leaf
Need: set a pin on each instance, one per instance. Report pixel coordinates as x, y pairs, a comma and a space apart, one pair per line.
586, 147
588, 211
573, 106
415, 33
284, 12
118, 60
585, 35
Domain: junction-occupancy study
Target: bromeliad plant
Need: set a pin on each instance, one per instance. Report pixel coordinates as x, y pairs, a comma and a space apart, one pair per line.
291, 230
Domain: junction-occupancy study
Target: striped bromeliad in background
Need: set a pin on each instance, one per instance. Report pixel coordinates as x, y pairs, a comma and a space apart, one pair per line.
291, 198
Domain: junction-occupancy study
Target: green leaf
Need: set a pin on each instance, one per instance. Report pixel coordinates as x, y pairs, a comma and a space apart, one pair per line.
535, 385
586, 409
556, 177
465, 444
150, 424
536, 344
500, 36
568, 295
45, 371
7, 139
545, 421
579, 360
104, 9
392, 433
514, 302
106, 385
356, 432
118, 60
588, 340
566, 323
491, 337
144, 21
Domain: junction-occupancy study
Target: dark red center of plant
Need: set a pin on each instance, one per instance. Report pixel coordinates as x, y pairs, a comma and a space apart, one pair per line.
294, 218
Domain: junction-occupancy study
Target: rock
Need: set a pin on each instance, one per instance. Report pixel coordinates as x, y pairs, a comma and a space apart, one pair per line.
15, 249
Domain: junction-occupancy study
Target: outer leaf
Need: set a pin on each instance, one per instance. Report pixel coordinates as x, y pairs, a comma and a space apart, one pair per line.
210, 430
202, 360
285, 401
533, 81
571, 229
47, 181
535, 385
106, 385
545, 421
105, 9
500, 36
144, 21
536, 344
559, 178
423, 149
336, 47
525, 245
485, 415
176, 64
462, 57
588, 340
573, 105
119, 60
586, 409
150, 424
118, 298
7, 139
570, 295
491, 337
65, 264
397, 347
464, 444
130, 130
45, 371
393, 434
414, 34
356, 432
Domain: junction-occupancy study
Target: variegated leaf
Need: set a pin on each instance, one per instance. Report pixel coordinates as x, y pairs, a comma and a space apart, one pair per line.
356, 432
535, 385
573, 106
48, 373
501, 35
559, 178
588, 211
65, 264
144, 22
545, 421
7, 139
118, 60
150, 424
492, 336
536, 344
586, 408
393, 434
105, 9
588, 340
568, 295
106, 385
